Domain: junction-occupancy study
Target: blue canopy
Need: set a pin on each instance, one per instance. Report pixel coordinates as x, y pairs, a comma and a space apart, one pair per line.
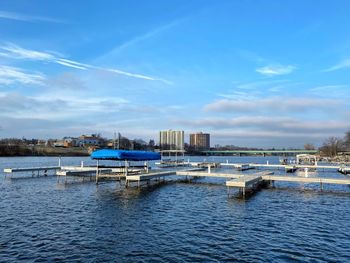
108, 154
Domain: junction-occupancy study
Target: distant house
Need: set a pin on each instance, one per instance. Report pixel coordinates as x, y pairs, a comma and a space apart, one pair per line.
41, 142
89, 140
59, 143
51, 142
70, 142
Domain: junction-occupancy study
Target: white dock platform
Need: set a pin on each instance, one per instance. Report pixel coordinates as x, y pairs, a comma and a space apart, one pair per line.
294, 166
244, 182
298, 179
146, 177
80, 172
31, 169
206, 174
35, 171
243, 167
156, 175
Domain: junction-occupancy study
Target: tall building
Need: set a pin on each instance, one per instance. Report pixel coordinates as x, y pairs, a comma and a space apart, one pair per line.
200, 141
171, 140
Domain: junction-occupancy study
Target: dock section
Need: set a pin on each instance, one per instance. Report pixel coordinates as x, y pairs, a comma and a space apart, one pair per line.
289, 167
147, 177
35, 171
244, 182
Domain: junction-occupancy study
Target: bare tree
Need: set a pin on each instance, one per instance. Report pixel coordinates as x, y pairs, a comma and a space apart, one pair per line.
309, 146
346, 142
331, 146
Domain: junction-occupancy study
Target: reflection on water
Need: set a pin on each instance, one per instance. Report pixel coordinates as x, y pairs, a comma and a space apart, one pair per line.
177, 221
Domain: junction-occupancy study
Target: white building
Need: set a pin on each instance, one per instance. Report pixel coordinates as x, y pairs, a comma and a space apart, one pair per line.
171, 140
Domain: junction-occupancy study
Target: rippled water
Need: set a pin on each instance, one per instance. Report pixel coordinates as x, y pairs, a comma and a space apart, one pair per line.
41, 220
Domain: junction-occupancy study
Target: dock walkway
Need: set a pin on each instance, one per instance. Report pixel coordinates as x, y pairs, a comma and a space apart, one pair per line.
244, 182
34, 170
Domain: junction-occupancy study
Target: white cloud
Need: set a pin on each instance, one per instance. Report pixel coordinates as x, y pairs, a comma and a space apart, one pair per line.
275, 70
12, 75
26, 18
72, 64
341, 65
16, 52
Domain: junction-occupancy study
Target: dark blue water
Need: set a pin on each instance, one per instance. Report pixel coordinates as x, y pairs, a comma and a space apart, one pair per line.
42, 221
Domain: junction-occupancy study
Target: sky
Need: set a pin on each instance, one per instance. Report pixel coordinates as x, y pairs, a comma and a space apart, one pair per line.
251, 73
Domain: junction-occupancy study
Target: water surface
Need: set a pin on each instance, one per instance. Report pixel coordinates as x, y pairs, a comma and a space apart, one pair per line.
42, 221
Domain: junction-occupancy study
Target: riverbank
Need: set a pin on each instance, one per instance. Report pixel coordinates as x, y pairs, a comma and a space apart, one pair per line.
39, 150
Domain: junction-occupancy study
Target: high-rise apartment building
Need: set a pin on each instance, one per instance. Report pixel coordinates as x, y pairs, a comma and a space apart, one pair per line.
171, 140
200, 141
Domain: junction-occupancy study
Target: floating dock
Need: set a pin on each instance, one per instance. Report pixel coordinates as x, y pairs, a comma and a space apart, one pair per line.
140, 174
290, 168
243, 167
147, 177
35, 171
244, 181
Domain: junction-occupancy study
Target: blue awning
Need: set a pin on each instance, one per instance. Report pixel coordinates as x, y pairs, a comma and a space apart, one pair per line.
108, 154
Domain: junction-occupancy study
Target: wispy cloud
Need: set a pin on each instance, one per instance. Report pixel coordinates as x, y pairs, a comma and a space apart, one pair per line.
12, 75
10, 50
252, 90
72, 64
273, 104
275, 70
26, 18
55, 108
16, 52
266, 123
341, 65
142, 37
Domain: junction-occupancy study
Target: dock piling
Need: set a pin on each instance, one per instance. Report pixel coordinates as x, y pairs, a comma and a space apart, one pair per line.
97, 172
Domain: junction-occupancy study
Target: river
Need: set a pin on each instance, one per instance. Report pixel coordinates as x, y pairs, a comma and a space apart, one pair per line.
42, 221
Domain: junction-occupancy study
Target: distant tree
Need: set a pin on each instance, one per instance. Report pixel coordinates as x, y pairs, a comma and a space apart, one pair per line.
151, 143
309, 146
124, 143
346, 141
139, 144
331, 146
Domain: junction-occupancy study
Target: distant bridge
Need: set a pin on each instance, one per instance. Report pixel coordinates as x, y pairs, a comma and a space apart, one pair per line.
260, 152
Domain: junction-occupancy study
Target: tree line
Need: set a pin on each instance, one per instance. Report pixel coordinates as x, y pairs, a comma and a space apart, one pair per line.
333, 145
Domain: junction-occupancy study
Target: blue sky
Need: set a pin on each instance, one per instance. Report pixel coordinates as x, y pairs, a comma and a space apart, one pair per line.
251, 73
